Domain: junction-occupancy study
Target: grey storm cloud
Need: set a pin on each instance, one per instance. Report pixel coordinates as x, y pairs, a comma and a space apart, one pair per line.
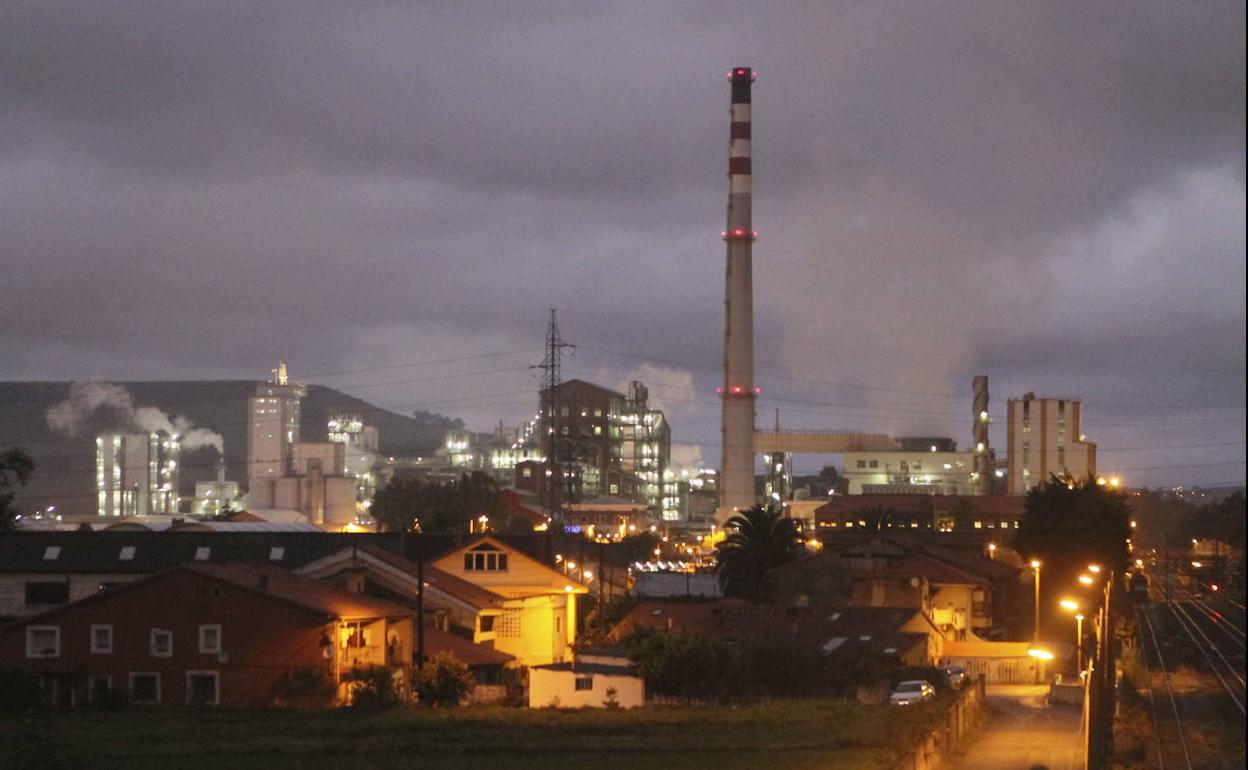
1049, 192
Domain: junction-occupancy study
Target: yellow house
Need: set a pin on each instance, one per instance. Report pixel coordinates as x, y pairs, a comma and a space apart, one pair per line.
534, 617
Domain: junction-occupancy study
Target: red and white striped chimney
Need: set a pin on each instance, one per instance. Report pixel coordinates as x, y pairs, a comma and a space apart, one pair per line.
736, 479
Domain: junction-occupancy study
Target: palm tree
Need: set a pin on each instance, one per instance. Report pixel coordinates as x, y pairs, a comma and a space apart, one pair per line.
759, 539
875, 518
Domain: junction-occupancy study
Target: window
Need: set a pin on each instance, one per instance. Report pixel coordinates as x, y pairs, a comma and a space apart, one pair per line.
485, 561
874, 464
597, 430
862, 463
162, 643
43, 641
277, 553
202, 552
47, 592
127, 553
203, 688
487, 623
979, 604
101, 639
527, 472
210, 639
144, 687
584, 683
98, 686
52, 553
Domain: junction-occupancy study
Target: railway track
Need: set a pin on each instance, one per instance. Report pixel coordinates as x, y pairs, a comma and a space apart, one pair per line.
1216, 643
1171, 749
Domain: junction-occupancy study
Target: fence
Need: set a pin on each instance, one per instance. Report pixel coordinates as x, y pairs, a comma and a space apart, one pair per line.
961, 717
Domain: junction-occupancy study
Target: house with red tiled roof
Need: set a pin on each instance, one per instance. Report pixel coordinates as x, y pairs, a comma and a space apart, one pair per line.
496, 595
221, 634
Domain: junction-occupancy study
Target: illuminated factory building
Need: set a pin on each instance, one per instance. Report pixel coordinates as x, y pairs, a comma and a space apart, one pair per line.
136, 474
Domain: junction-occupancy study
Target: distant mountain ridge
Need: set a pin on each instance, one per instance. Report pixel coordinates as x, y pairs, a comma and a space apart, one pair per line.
65, 466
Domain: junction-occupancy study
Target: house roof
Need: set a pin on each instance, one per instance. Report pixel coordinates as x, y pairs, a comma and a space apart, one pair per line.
309, 593
932, 569
471, 593
590, 668
866, 629
437, 640
274, 582
101, 552
991, 569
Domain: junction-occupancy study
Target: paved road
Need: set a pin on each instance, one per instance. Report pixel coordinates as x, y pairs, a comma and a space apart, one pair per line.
1025, 734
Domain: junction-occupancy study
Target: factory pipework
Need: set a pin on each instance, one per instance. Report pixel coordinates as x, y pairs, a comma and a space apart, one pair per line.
738, 391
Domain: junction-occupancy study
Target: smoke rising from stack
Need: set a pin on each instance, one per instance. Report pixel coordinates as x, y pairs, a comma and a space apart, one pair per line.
114, 405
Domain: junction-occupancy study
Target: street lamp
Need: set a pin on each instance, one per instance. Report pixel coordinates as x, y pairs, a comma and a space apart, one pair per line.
1096, 568
1035, 568
1079, 641
1085, 579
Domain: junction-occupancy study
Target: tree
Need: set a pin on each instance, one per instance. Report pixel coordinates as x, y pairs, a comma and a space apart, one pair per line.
1070, 524
444, 680
678, 663
408, 504
876, 517
1067, 525
759, 539
15, 466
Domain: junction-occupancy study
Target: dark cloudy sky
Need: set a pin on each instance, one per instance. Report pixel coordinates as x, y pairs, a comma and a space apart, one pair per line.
1051, 193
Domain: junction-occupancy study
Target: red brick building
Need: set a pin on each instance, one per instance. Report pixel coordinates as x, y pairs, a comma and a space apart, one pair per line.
209, 634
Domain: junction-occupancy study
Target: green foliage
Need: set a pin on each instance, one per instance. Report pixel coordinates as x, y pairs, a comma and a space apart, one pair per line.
874, 518
412, 504
444, 680
759, 539
15, 466
613, 698
1069, 524
680, 664
373, 688
19, 690
302, 687
1223, 520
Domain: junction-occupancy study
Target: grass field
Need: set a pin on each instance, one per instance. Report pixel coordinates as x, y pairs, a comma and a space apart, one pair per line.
796, 734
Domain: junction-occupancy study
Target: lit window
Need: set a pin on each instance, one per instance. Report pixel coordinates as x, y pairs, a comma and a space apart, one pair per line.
162, 643
43, 641
485, 561
102, 639
210, 639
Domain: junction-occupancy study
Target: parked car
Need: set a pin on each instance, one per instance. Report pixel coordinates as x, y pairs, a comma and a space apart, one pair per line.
912, 691
954, 675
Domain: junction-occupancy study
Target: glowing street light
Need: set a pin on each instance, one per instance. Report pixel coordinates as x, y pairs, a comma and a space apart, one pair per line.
1036, 652
1035, 632
1069, 604
1096, 568
1086, 580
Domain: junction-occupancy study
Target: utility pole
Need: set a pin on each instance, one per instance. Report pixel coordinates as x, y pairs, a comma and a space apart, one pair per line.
553, 443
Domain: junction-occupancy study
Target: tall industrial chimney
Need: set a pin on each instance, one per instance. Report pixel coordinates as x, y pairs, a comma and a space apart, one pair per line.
979, 435
736, 480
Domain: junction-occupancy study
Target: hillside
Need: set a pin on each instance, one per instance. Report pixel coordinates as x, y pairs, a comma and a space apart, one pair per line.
65, 465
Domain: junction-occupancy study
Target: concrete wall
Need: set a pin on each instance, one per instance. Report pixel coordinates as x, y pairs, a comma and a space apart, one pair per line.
13, 590
558, 688
943, 742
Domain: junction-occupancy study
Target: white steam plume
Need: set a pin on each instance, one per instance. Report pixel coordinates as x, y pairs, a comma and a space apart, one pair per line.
85, 398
